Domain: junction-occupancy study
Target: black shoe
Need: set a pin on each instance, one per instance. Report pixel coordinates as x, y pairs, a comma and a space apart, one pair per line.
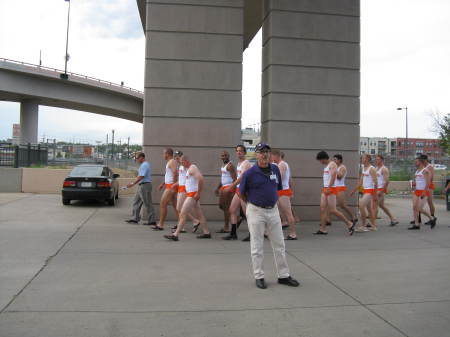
152, 223
246, 239
240, 221
171, 237
131, 221
433, 222
289, 281
328, 224
204, 236
195, 228
394, 223
290, 238
157, 228
261, 284
175, 227
319, 232
414, 227
231, 236
266, 236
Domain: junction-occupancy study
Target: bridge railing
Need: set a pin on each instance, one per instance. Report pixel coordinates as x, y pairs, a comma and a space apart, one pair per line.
59, 71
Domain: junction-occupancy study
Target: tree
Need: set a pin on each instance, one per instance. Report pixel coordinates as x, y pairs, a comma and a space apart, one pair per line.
442, 126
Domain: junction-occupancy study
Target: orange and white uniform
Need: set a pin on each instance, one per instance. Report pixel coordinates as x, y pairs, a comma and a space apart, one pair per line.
380, 178
340, 183
191, 184
421, 183
239, 172
286, 191
368, 183
327, 180
226, 178
181, 179
168, 177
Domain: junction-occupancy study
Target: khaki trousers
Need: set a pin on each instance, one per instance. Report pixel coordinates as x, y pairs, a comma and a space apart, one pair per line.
143, 198
260, 220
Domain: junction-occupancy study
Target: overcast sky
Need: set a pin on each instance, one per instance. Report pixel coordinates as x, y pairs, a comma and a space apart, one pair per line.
405, 53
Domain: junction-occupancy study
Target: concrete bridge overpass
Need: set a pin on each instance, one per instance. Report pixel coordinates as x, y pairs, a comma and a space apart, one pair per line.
34, 85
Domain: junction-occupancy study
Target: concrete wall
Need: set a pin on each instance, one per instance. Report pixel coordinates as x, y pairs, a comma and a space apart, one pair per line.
193, 82
10, 179
310, 89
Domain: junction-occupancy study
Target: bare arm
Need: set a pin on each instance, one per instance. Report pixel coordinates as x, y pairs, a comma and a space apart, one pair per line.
373, 173
174, 169
386, 178
333, 174
197, 174
232, 170
341, 172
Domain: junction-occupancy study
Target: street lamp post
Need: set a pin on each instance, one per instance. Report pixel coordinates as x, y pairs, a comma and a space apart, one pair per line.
66, 57
406, 144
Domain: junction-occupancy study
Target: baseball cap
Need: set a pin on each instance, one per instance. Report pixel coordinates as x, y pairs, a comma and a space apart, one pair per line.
262, 146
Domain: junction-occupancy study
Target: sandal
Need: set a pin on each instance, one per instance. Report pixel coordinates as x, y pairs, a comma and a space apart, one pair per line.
195, 228
157, 228
204, 236
290, 238
319, 232
222, 231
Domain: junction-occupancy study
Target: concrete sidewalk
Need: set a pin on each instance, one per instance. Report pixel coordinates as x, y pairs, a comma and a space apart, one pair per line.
81, 271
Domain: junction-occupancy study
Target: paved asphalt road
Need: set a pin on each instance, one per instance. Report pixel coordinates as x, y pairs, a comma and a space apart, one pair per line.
81, 271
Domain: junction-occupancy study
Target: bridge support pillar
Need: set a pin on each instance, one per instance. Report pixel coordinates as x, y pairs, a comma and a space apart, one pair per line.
310, 89
193, 82
29, 119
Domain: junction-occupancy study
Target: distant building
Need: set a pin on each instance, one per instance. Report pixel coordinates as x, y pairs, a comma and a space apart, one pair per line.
397, 148
16, 134
250, 137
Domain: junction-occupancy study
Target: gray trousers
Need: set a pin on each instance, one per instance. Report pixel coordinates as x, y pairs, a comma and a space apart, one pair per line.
260, 220
143, 198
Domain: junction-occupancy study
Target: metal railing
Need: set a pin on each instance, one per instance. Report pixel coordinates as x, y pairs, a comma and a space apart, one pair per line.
23, 155
59, 71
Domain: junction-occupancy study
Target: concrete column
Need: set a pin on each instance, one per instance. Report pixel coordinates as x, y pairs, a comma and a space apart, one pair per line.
29, 118
193, 82
311, 88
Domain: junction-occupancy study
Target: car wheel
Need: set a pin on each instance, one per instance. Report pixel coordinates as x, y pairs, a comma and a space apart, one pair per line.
66, 201
112, 201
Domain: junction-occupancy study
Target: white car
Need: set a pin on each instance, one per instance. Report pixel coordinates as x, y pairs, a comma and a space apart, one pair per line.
439, 167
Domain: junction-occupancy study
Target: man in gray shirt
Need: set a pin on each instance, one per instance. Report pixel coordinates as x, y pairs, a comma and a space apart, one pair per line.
143, 196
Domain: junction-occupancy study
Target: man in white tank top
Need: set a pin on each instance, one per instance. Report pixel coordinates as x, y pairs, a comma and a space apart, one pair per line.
181, 188
369, 182
284, 196
383, 183
194, 189
328, 196
421, 185
170, 183
341, 188
237, 203
225, 194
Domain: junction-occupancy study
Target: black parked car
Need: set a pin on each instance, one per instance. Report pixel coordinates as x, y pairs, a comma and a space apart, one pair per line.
89, 182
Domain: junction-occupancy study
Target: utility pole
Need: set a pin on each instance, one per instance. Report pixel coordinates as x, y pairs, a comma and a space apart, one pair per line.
112, 145
128, 148
66, 57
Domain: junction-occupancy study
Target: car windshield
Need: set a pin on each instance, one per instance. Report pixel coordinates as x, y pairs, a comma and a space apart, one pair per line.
86, 171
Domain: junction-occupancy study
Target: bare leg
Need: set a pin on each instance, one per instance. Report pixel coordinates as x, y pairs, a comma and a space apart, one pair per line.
187, 208
383, 206
199, 213
225, 198
332, 209
323, 213
341, 202
180, 200
284, 203
431, 203
363, 203
165, 199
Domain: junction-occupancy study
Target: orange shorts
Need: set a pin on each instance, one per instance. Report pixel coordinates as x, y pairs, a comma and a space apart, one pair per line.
383, 190
369, 191
420, 193
182, 189
191, 194
286, 193
333, 190
169, 186
237, 191
341, 188
432, 186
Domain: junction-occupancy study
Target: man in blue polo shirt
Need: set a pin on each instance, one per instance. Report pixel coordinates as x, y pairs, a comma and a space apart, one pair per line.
259, 188
143, 196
